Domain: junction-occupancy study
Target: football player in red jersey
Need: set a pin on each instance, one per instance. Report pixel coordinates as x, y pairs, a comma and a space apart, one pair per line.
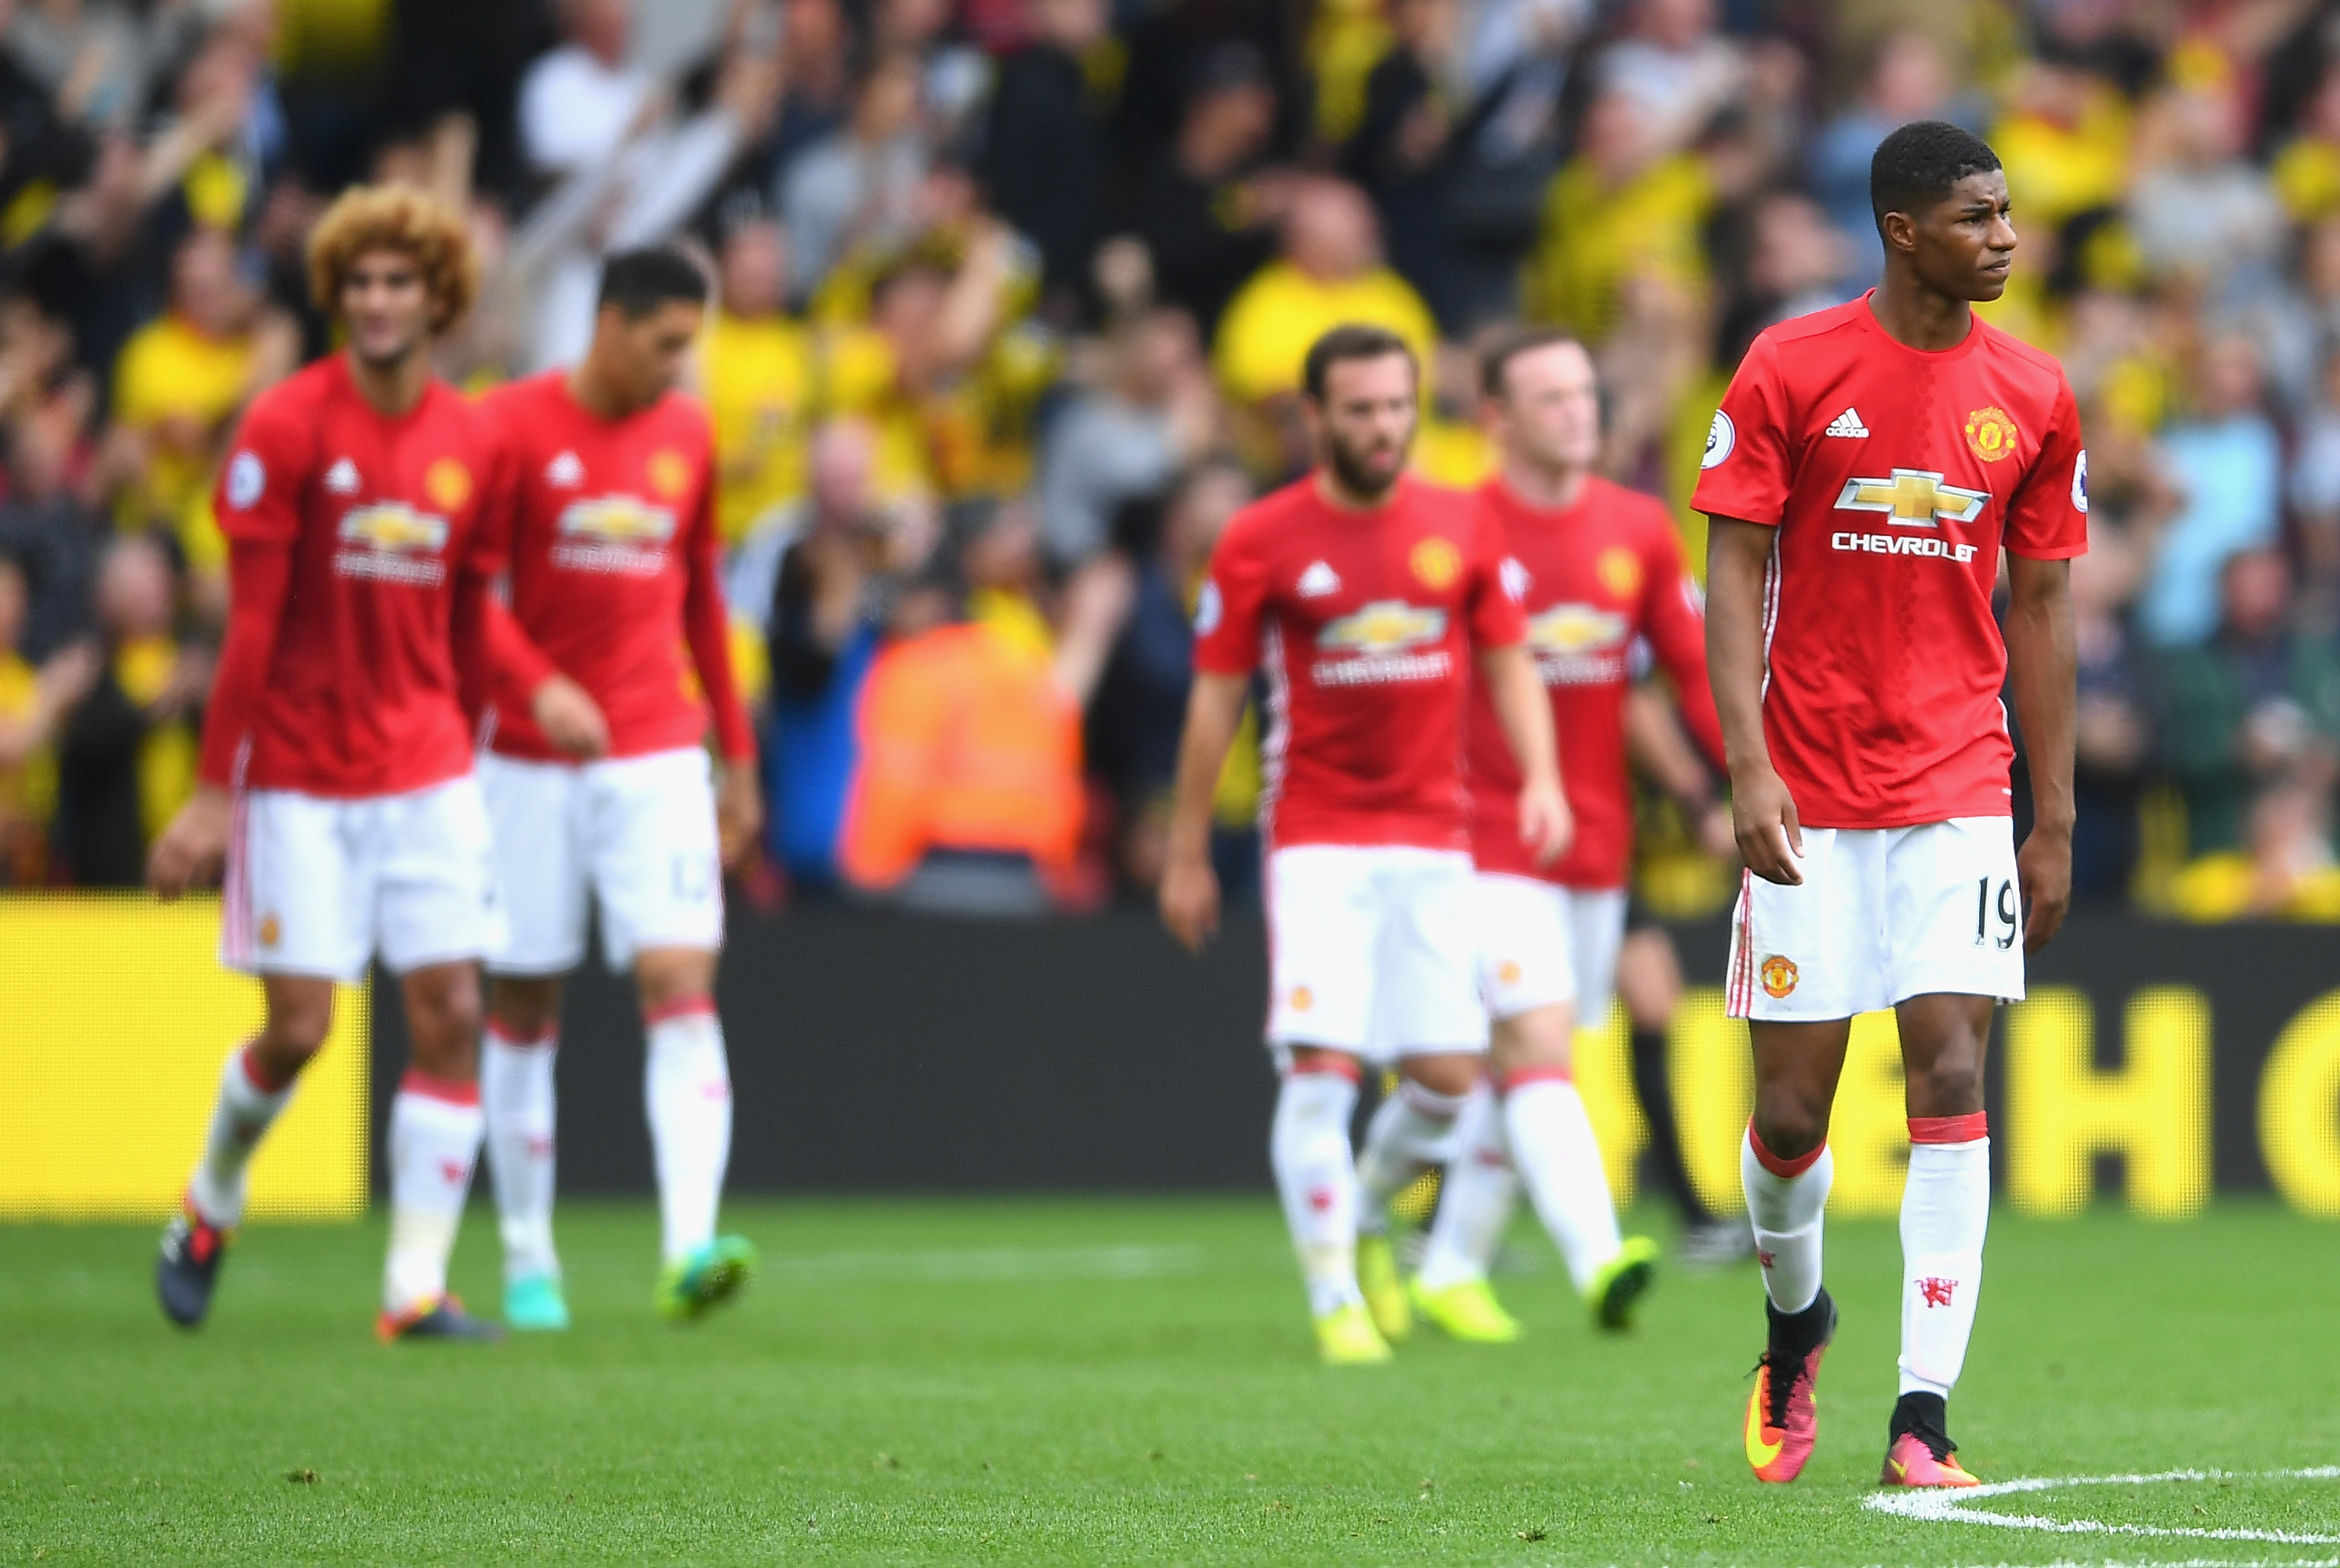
598, 781
1865, 468
1364, 595
336, 776
1598, 569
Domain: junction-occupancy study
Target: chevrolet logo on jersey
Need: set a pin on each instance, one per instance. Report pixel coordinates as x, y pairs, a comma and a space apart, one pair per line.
617, 520
1913, 498
1388, 626
392, 525
1575, 629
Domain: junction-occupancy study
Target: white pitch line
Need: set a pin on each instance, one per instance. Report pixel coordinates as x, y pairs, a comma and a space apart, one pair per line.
1956, 1507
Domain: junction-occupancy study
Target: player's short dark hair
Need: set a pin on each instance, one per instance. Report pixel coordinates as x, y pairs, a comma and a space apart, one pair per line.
639, 282
1916, 166
1495, 361
1350, 341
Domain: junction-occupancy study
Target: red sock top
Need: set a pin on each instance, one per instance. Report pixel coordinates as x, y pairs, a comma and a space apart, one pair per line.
1527, 1075
680, 1007
1785, 1170
1963, 1129
423, 1085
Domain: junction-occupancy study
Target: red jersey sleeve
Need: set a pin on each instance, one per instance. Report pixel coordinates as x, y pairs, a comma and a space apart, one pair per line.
259, 495
1674, 617
2048, 518
1496, 619
1228, 611
259, 586
707, 626
1745, 471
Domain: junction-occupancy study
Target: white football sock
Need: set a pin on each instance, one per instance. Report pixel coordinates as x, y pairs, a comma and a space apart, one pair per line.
516, 1096
687, 1094
1475, 1198
435, 1128
1945, 1210
1317, 1177
243, 1112
1559, 1161
1784, 1200
1409, 1129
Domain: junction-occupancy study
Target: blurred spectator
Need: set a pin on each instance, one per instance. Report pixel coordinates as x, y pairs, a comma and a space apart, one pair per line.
579, 102
1795, 263
2201, 209
1909, 81
1330, 272
127, 752
1141, 705
2065, 141
2115, 733
2316, 497
1202, 206
1045, 158
2226, 466
2307, 172
32, 695
1624, 207
968, 794
1127, 439
91, 56
1400, 151
1674, 68
859, 185
2254, 724
757, 367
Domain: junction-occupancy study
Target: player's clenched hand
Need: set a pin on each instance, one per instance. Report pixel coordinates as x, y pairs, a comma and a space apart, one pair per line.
738, 812
2043, 869
191, 848
1190, 901
1546, 825
1763, 819
570, 718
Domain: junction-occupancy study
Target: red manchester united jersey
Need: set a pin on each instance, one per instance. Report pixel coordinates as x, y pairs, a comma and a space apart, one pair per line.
363, 527
1365, 623
1590, 578
613, 570
1893, 477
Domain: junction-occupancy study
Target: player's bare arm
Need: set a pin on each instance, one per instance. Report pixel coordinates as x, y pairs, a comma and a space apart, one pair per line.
1524, 710
738, 810
191, 848
2042, 664
1762, 813
1190, 889
570, 717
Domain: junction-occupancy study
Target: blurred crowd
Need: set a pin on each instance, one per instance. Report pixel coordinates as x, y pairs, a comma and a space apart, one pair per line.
1011, 299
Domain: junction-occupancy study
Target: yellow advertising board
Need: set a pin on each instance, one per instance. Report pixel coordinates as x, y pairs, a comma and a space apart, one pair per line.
116, 1018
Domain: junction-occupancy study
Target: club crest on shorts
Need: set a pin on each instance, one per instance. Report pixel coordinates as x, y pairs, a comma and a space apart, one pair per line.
1436, 563
271, 929
1508, 972
1303, 998
1778, 973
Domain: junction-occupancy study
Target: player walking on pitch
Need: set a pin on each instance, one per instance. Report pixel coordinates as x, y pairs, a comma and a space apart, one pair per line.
1360, 591
598, 781
1596, 567
1865, 467
336, 774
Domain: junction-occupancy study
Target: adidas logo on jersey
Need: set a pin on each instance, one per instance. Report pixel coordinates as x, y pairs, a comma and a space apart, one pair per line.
565, 470
342, 479
1319, 580
1848, 423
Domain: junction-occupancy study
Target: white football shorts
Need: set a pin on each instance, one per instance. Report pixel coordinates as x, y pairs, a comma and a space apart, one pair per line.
1372, 950
317, 885
1541, 943
1884, 914
635, 834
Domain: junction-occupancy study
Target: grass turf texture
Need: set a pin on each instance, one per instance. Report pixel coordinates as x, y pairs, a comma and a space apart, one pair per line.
1122, 1381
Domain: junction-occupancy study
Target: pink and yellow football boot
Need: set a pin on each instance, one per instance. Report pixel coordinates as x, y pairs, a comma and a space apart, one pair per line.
1781, 1422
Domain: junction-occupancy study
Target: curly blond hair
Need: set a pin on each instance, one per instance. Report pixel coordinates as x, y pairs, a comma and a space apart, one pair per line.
367, 218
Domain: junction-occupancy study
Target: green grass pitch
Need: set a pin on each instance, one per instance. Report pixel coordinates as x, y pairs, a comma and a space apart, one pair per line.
1126, 1381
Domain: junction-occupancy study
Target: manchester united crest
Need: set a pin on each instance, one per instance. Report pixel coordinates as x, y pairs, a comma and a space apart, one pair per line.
1436, 563
448, 483
1990, 434
1778, 973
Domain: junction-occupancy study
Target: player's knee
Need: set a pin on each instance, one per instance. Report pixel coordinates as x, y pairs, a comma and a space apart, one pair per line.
295, 1031
524, 1009
1791, 1121
1948, 1085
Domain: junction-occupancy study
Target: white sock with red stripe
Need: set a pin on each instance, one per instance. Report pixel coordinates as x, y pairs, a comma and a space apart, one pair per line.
1785, 1199
516, 1096
687, 1093
1476, 1197
435, 1128
1316, 1176
1559, 1161
1409, 1129
1945, 1210
247, 1104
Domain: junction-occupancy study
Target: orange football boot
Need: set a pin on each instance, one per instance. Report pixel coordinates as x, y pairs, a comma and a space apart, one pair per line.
1781, 1422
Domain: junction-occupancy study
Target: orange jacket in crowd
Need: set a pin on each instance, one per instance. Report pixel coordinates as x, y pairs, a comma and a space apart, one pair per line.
968, 742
